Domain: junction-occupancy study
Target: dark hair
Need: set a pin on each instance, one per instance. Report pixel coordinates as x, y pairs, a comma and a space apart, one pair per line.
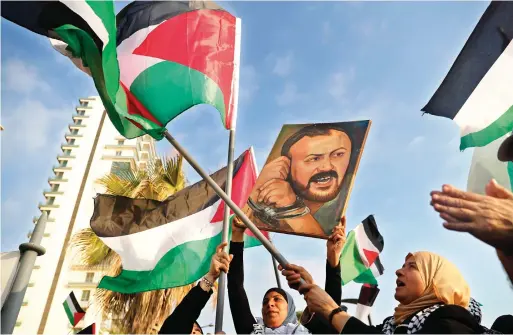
279, 291
313, 130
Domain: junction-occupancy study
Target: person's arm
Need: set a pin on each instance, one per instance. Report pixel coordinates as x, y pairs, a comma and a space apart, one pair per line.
243, 320
181, 321
187, 312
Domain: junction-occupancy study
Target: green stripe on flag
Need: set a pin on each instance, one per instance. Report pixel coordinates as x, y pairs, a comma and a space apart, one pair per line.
494, 131
366, 277
350, 262
167, 89
178, 267
69, 313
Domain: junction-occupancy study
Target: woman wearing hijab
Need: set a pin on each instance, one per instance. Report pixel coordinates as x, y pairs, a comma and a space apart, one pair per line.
183, 319
433, 298
278, 308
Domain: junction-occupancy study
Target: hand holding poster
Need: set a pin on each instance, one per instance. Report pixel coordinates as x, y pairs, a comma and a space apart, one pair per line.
304, 186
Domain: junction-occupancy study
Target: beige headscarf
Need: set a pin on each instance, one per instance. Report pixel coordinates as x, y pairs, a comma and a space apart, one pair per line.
443, 283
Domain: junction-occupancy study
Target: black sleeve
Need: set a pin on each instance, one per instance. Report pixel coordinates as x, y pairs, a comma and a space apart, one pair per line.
451, 319
355, 326
186, 313
243, 320
332, 286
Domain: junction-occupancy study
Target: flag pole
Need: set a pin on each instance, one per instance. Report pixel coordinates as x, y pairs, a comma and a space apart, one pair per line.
226, 221
29, 252
275, 266
247, 222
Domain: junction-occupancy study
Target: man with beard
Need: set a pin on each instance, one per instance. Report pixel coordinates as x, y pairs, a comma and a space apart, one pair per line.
308, 174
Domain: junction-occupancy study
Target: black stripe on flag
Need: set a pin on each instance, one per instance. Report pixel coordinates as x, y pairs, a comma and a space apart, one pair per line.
484, 46
368, 294
118, 216
75, 303
379, 266
91, 329
42, 17
142, 14
371, 230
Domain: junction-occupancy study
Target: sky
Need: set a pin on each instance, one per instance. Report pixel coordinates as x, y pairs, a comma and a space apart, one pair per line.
302, 62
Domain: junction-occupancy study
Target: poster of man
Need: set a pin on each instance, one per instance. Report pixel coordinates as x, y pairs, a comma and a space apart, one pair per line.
304, 186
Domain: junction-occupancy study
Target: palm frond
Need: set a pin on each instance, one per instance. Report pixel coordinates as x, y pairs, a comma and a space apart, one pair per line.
91, 250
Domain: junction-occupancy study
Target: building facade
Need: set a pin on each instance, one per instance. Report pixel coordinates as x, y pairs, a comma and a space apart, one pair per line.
92, 149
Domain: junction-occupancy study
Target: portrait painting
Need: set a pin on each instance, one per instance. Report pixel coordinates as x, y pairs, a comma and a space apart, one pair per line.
305, 184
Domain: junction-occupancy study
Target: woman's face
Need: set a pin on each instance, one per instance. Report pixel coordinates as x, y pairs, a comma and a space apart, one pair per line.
410, 285
274, 309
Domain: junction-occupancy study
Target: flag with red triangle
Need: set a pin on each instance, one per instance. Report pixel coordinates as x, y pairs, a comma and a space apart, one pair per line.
361, 252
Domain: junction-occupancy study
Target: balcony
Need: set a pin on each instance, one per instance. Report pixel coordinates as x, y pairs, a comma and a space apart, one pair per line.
65, 157
50, 193
86, 99
56, 180
72, 126
72, 136
47, 207
79, 117
120, 147
60, 168
69, 146
82, 285
35, 218
89, 268
115, 158
83, 108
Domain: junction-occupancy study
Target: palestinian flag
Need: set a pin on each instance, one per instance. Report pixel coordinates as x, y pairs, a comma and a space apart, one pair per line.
170, 243
91, 329
477, 91
361, 250
368, 294
73, 310
152, 62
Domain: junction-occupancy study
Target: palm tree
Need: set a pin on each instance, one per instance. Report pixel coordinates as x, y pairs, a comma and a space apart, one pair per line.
141, 313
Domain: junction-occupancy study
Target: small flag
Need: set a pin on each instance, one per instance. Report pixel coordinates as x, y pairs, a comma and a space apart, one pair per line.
91, 329
73, 310
360, 252
151, 62
476, 94
368, 294
170, 243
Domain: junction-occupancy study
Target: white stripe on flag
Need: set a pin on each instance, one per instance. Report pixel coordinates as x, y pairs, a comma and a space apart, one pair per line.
362, 312
142, 251
71, 306
491, 98
363, 242
130, 65
236, 71
85, 11
486, 166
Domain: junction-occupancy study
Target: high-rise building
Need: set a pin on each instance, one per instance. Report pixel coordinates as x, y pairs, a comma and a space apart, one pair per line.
92, 148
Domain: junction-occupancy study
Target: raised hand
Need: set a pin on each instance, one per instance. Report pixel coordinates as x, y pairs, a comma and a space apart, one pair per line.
487, 217
220, 262
335, 243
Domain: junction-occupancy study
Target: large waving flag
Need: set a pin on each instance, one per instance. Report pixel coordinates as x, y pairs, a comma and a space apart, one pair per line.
359, 260
163, 57
477, 94
170, 243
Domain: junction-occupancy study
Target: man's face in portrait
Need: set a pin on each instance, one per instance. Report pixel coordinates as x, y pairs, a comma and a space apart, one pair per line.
319, 164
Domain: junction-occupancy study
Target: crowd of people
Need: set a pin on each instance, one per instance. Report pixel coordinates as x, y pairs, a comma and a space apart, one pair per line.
432, 295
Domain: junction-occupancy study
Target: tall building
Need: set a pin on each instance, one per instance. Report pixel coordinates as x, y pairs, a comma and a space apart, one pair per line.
92, 148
